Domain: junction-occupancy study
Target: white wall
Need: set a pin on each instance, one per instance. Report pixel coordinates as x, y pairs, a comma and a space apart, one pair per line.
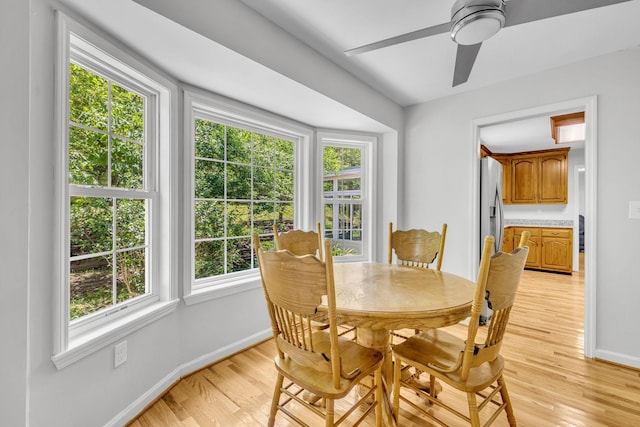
439, 149
14, 186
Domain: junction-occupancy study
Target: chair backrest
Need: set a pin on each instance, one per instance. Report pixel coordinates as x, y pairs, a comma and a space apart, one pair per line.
417, 248
294, 287
299, 242
498, 278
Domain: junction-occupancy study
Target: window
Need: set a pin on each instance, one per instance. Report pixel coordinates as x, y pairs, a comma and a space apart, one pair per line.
110, 198
244, 178
347, 190
114, 203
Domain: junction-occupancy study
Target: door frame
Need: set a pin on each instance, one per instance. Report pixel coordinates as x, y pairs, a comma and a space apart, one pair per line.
590, 106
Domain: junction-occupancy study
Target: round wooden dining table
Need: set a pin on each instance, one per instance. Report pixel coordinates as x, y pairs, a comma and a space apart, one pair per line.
380, 298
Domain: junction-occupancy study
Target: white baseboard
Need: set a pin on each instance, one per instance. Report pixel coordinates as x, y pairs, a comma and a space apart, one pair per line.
138, 405
621, 359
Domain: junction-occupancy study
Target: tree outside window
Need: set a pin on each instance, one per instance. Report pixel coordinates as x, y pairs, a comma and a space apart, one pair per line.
243, 182
108, 204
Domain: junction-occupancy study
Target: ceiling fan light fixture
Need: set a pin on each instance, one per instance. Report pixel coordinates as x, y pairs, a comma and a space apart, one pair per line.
474, 21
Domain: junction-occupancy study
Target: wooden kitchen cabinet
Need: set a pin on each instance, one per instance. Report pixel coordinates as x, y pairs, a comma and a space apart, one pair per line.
557, 249
533, 259
553, 178
506, 178
507, 240
534, 177
550, 249
539, 177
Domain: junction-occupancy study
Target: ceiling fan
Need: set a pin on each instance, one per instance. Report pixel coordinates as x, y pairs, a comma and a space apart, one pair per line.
474, 21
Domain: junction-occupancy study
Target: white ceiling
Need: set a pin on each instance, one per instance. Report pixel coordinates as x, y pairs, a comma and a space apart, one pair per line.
421, 70
408, 73
522, 135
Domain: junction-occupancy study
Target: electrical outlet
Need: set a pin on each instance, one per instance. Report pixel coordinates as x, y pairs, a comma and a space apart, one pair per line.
119, 354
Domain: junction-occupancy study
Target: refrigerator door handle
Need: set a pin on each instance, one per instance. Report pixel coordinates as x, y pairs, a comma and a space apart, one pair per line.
499, 220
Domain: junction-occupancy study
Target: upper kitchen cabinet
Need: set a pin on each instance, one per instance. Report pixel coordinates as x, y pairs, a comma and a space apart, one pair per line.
535, 176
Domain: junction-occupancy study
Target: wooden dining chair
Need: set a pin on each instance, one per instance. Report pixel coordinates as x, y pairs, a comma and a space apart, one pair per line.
416, 248
319, 362
299, 242
474, 368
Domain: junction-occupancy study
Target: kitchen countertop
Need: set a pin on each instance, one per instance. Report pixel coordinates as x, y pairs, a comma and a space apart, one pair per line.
550, 223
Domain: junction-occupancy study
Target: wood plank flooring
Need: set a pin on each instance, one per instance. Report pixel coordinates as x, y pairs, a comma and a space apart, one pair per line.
549, 380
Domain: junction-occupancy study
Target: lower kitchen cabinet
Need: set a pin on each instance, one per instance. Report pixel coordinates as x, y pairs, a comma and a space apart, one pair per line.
557, 249
550, 249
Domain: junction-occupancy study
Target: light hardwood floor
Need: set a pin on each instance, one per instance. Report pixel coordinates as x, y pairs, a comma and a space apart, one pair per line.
550, 382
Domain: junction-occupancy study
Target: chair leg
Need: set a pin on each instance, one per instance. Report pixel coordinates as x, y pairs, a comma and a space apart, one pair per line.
276, 400
379, 396
505, 398
474, 414
329, 414
397, 373
432, 386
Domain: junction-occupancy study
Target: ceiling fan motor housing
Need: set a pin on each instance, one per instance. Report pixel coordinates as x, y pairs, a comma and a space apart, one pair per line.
474, 21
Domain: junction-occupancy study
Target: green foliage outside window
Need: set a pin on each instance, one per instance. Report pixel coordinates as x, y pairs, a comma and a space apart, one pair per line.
108, 248
243, 182
342, 194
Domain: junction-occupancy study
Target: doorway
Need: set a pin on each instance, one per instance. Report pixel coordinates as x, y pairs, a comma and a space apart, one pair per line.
589, 106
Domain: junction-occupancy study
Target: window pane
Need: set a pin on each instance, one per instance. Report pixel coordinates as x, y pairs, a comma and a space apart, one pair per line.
285, 154
343, 224
209, 139
131, 275
209, 179
239, 255
263, 184
328, 220
209, 259
90, 225
130, 223
238, 182
209, 219
263, 150
343, 182
127, 165
263, 217
284, 216
91, 286
238, 145
127, 111
88, 157
284, 185
257, 170
327, 188
266, 243
88, 98
238, 219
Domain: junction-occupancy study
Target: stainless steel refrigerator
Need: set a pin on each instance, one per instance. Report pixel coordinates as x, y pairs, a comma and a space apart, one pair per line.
491, 208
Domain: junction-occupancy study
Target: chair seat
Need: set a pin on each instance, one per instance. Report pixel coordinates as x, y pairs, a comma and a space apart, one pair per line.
436, 347
354, 357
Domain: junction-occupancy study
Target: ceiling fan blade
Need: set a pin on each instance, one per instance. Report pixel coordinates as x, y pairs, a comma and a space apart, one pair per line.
522, 11
414, 35
465, 57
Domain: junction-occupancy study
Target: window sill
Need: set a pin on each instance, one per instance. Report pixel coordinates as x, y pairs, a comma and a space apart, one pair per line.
99, 338
222, 290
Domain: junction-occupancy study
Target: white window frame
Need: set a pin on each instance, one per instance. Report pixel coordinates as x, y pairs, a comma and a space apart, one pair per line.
76, 339
368, 145
198, 103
